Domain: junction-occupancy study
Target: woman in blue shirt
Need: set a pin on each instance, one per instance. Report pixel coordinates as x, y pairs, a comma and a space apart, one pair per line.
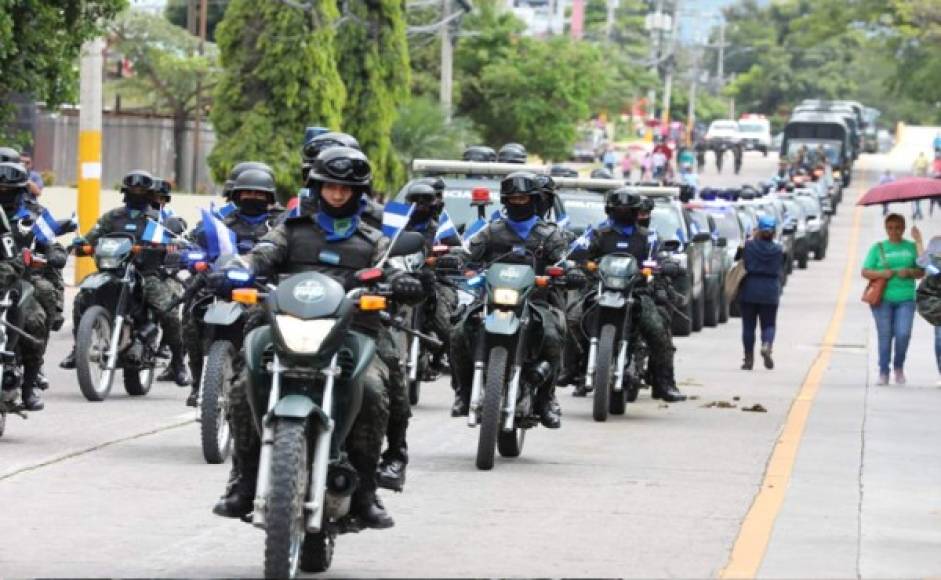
760, 291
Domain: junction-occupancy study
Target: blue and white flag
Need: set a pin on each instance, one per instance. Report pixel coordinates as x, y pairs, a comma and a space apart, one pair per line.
166, 212
155, 233
446, 228
583, 241
563, 221
223, 211
473, 229
46, 228
220, 240
395, 217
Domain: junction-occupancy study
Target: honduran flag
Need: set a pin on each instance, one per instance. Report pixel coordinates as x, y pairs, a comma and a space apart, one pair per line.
472, 230
155, 233
395, 217
583, 241
220, 240
46, 228
224, 211
446, 228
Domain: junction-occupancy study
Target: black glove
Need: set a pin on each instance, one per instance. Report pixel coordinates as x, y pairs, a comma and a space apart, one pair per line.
219, 284
427, 278
575, 278
407, 289
450, 262
56, 259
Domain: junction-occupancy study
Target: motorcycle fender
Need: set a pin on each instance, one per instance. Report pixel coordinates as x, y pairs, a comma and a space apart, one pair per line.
611, 300
366, 347
95, 281
300, 407
223, 313
502, 322
259, 381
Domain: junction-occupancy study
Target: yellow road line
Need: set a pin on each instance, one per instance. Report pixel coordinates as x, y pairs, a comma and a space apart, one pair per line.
755, 533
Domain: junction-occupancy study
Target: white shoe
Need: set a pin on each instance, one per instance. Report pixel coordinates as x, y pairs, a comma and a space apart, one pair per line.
899, 377
883, 380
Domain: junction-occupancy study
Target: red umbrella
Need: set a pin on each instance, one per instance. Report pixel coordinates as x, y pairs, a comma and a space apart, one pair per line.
906, 189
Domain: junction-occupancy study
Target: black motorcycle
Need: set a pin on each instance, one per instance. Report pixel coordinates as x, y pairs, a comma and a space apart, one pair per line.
12, 307
507, 371
118, 330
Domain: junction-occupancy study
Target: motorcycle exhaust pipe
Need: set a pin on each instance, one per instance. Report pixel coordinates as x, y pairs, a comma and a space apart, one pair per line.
318, 470
512, 394
342, 481
267, 445
477, 387
592, 356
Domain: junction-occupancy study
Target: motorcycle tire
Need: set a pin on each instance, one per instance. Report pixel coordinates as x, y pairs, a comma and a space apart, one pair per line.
317, 551
510, 443
699, 312
711, 309
138, 381
214, 431
285, 529
603, 374
492, 407
414, 391
684, 326
618, 402
802, 261
94, 325
820, 253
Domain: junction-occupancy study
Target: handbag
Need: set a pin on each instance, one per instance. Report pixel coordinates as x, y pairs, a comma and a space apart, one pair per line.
872, 295
733, 280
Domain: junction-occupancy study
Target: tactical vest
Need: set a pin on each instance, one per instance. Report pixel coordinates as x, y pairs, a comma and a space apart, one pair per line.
503, 240
611, 240
121, 222
309, 250
247, 234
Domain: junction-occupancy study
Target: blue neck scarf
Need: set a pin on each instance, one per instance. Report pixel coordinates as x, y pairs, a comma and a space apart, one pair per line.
522, 229
253, 220
338, 228
21, 212
626, 230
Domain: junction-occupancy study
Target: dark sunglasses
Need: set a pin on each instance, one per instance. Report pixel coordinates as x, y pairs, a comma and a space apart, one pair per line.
138, 181
346, 168
519, 184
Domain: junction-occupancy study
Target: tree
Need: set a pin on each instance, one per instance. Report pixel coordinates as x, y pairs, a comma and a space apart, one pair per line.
168, 70
177, 12
372, 58
39, 47
421, 130
539, 96
279, 75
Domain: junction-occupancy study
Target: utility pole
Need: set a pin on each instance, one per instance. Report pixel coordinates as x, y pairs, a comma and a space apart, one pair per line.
720, 66
89, 145
609, 22
654, 23
447, 62
691, 109
671, 64
197, 129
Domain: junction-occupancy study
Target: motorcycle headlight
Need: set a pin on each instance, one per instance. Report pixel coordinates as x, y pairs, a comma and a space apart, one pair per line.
303, 336
506, 296
111, 263
813, 226
615, 282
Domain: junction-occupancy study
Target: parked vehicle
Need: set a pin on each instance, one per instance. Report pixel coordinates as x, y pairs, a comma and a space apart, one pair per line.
807, 131
755, 133
714, 260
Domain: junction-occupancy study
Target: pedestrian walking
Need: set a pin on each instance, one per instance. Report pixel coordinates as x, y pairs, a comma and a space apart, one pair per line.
894, 260
919, 169
627, 166
928, 295
610, 159
760, 291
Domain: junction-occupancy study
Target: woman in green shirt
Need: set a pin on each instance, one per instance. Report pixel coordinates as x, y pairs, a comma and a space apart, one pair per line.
894, 260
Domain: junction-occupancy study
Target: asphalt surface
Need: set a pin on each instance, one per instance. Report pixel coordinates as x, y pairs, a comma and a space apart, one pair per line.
120, 488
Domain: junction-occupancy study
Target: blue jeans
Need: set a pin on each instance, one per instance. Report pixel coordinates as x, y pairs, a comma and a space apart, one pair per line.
753, 313
893, 322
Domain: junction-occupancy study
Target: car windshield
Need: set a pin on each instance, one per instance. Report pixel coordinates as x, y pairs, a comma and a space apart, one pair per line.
725, 126
727, 225
582, 210
810, 205
751, 128
668, 223
831, 149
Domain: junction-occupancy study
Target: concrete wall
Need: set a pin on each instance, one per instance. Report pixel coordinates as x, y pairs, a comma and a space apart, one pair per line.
128, 142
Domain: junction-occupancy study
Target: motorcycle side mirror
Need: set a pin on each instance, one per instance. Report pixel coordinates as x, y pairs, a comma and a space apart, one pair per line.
702, 237
671, 246
722, 242
790, 229
407, 243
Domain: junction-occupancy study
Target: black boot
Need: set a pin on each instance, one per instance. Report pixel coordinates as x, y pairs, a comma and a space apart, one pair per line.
748, 362
176, 370
669, 394
549, 410
239, 497
766, 355
391, 473
41, 381
69, 361
31, 399
461, 406
193, 399
368, 509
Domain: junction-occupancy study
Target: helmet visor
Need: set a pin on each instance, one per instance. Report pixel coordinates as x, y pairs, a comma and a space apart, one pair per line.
518, 184
138, 181
11, 176
345, 168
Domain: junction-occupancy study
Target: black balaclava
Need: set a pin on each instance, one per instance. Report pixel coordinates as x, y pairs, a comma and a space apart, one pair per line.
520, 213
252, 207
423, 212
138, 201
624, 216
10, 199
644, 221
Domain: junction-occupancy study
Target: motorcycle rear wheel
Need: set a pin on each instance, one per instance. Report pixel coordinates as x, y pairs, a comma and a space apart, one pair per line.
603, 372
285, 528
414, 391
317, 552
510, 443
92, 341
493, 399
215, 435
137, 381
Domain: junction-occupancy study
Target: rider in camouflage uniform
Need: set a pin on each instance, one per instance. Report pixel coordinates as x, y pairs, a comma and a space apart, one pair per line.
139, 189
338, 179
622, 233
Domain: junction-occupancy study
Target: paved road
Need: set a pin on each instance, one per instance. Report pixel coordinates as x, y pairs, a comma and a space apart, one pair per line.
120, 488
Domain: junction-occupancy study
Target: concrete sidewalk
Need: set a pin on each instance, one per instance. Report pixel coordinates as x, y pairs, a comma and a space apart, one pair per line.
864, 499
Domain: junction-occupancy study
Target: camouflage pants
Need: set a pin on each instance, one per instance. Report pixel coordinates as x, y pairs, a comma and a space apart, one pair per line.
548, 325
35, 323
392, 356
652, 326
50, 293
159, 294
438, 319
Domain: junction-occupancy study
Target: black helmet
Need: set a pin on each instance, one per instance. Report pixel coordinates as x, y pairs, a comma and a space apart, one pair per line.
622, 204
646, 204
512, 153
562, 171
9, 155
238, 170
480, 154
163, 188
420, 192
343, 166
13, 175
601, 173
517, 183
546, 186
139, 181
315, 146
254, 180
436, 183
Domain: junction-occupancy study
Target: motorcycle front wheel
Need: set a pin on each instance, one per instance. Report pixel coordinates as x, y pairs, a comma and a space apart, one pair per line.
215, 435
493, 399
92, 341
317, 552
137, 381
285, 529
602, 376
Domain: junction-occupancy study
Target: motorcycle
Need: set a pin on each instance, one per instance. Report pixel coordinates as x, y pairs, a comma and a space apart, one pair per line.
417, 359
12, 306
118, 330
608, 323
306, 372
507, 371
